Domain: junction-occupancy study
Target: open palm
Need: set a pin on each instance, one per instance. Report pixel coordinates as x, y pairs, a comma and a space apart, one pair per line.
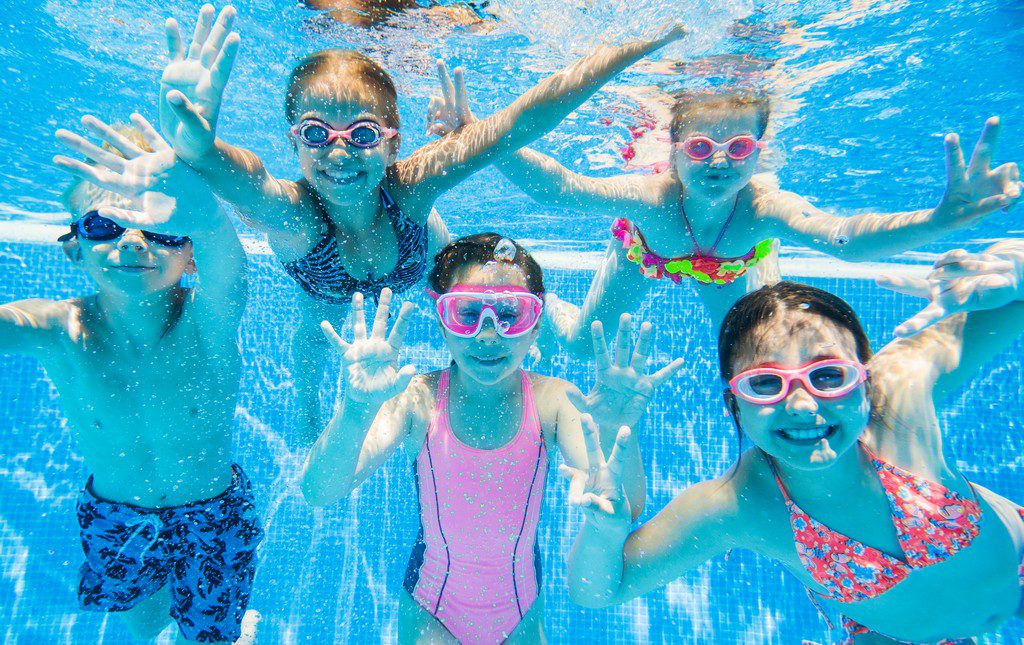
623, 388
151, 180
370, 362
192, 84
599, 491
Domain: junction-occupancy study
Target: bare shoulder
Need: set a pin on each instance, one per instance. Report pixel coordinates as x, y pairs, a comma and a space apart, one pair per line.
548, 396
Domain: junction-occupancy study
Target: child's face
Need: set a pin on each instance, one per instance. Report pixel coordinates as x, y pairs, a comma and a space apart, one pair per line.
131, 264
791, 340
488, 357
718, 175
340, 172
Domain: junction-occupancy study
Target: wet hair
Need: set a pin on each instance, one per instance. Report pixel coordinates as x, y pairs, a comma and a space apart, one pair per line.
757, 307
760, 306
323, 73
689, 102
478, 249
80, 195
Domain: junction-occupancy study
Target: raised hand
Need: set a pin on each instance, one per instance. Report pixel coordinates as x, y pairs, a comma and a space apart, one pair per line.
192, 84
974, 191
599, 491
154, 181
959, 282
370, 363
623, 389
450, 111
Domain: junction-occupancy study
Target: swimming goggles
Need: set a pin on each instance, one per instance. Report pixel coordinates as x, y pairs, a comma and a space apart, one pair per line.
700, 148
314, 133
96, 228
827, 379
512, 310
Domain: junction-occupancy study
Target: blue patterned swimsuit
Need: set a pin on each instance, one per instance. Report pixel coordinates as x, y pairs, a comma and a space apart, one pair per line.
321, 274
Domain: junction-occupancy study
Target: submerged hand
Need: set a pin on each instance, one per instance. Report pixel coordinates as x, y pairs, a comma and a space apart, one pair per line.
154, 181
959, 282
974, 191
450, 111
599, 491
623, 389
192, 85
370, 363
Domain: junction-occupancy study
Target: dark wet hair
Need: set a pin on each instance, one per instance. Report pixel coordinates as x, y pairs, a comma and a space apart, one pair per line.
478, 249
689, 102
330, 66
759, 306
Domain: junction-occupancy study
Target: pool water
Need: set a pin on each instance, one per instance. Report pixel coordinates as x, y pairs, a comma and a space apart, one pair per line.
863, 92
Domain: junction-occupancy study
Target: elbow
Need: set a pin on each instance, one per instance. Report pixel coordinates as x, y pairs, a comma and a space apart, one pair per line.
318, 493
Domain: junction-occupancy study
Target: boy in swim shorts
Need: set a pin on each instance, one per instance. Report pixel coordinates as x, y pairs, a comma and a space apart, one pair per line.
148, 373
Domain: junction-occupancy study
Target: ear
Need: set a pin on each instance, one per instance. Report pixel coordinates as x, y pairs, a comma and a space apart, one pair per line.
72, 250
731, 408
394, 145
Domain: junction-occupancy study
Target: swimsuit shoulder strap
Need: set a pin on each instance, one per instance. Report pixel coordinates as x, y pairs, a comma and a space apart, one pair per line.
778, 477
530, 414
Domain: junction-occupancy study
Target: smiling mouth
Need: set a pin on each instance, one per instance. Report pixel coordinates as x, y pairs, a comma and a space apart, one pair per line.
489, 362
127, 268
807, 436
341, 177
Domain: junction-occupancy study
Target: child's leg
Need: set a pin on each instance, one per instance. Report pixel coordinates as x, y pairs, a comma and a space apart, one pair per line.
150, 617
417, 626
530, 630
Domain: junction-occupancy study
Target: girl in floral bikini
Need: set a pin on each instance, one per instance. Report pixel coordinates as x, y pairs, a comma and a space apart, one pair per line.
711, 219
846, 484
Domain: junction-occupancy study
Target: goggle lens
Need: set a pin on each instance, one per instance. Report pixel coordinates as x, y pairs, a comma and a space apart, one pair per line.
698, 148
365, 136
314, 135
741, 147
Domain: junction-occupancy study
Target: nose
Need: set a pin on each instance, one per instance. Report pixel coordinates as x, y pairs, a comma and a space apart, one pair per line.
488, 332
132, 240
719, 159
800, 403
337, 150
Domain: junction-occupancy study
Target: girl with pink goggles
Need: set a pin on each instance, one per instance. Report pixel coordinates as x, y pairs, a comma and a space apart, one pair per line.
513, 310
828, 379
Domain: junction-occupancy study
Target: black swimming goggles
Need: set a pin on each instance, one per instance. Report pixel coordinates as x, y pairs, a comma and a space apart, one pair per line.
96, 228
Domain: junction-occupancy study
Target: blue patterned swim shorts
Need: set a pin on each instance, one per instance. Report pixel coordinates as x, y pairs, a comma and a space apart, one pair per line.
205, 551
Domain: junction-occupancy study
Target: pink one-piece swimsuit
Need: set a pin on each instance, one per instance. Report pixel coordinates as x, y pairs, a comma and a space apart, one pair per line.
475, 565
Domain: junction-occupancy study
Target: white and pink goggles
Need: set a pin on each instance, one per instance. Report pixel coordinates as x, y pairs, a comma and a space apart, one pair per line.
513, 310
827, 379
737, 148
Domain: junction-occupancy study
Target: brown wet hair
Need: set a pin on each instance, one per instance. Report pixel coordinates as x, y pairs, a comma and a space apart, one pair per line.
478, 249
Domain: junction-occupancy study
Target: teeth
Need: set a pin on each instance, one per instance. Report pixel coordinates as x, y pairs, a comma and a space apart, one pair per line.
341, 175
817, 432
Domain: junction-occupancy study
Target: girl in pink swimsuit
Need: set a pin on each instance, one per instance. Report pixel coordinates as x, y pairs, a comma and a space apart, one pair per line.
846, 484
481, 434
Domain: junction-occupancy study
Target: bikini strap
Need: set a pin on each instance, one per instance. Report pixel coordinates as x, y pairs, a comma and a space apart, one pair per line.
778, 477
721, 232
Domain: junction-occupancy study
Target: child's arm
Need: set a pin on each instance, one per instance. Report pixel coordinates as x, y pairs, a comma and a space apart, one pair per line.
191, 90
621, 393
440, 165
972, 193
29, 327
607, 564
538, 175
976, 310
375, 412
166, 196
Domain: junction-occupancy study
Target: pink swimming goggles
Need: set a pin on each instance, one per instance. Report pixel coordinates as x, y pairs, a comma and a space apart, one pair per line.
512, 309
827, 379
700, 148
314, 133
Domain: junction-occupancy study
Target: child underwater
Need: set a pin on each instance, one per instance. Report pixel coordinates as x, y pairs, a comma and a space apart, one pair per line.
712, 219
168, 524
480, 434
359, 219
846, 485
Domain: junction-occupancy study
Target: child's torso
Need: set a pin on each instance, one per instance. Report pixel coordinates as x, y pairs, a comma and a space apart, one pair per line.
154, 425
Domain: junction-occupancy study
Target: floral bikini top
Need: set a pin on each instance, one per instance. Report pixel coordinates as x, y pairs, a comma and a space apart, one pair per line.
706, 268
932, 523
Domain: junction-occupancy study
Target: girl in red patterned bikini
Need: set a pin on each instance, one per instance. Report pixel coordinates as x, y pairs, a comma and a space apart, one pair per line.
846, 484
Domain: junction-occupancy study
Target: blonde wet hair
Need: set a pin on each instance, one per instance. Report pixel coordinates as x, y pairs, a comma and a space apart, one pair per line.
325, 74
81, 195
688, 103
